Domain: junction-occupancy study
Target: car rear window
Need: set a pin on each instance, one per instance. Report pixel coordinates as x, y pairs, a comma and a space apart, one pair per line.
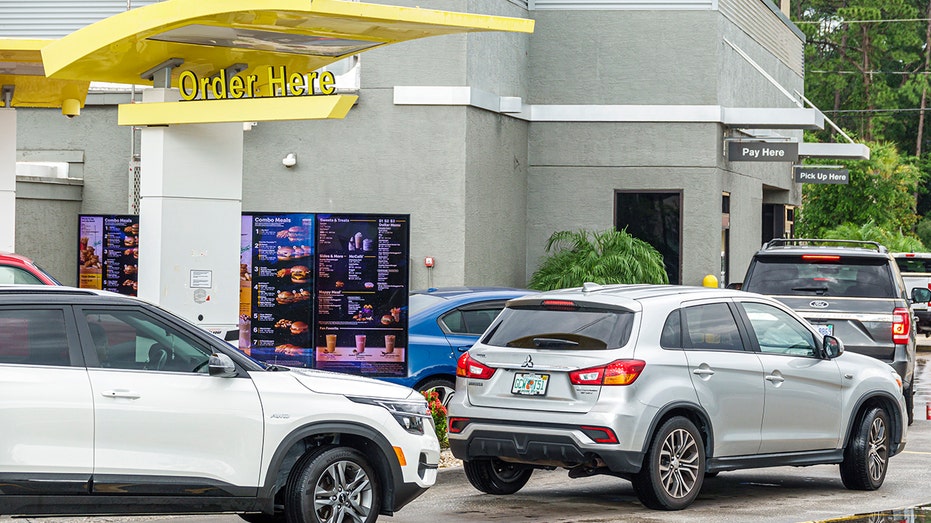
914, 264
822, 275
585, 328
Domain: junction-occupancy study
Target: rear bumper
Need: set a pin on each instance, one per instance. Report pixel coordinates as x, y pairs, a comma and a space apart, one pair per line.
542, 446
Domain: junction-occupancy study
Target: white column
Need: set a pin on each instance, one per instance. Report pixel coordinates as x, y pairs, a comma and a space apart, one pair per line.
7, 179
189, 218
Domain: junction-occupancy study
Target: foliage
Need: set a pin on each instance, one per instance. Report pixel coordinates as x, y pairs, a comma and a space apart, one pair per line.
601, 257
894, 241
881, 191
438, 410
923, 230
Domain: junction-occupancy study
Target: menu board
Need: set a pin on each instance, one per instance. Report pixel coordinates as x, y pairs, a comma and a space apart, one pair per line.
362, 290
282, 283
327, 291
108, 253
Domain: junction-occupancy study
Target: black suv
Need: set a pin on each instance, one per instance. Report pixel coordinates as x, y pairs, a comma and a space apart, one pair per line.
845, 288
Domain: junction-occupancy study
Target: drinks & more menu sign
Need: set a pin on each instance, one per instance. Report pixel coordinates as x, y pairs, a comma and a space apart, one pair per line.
108, 253
326, 290
362, 291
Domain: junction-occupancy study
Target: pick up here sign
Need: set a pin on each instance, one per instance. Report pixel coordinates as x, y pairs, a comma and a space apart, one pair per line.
821, 175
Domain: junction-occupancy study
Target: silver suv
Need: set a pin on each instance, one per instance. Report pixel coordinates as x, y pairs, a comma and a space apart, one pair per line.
847, 288
663, 385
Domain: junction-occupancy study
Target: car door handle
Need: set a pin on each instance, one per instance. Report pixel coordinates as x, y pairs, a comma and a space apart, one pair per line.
703, 372
121, 393
775, 379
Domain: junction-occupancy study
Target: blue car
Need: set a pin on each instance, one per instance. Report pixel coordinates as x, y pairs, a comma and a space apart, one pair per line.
444, 323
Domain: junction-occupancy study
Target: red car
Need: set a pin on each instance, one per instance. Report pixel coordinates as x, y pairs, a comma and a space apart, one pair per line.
18, 269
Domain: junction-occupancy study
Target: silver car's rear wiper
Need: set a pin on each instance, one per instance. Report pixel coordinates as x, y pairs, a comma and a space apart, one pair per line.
820, 290
549, 343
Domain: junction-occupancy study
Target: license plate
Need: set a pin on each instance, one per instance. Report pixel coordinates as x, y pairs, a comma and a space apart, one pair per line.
826, 329
530, 383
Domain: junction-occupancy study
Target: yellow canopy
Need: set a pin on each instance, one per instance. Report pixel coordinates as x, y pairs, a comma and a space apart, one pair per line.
210, 35
21, 68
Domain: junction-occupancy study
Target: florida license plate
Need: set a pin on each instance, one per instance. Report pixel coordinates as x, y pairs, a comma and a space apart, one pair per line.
826, 329
530, 383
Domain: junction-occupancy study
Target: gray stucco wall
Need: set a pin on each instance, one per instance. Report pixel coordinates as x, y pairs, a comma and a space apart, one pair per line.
624, 57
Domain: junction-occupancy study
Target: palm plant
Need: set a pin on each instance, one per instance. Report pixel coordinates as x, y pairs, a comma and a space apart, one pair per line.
603, 257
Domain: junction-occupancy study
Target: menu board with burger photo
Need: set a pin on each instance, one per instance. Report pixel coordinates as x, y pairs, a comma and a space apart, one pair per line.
362, 292
277, 326
108, 253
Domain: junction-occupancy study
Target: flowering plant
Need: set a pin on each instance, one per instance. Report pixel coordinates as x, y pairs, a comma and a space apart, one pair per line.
438, 411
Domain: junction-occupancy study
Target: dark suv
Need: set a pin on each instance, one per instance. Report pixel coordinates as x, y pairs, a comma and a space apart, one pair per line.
845, 288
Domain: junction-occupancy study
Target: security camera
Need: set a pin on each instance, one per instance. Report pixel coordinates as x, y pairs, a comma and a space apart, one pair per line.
289, 161
70, 107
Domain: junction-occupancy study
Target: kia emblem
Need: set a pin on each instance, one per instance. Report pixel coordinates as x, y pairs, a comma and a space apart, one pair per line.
528, 362
818, 304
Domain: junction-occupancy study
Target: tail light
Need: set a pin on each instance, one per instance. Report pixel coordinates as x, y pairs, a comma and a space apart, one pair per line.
900, 326
467, 367
618, 372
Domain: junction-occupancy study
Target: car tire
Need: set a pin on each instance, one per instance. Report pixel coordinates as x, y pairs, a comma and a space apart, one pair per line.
444, 387
493, 476
342, 478
866, 458
910, 401
674, 467
264, 518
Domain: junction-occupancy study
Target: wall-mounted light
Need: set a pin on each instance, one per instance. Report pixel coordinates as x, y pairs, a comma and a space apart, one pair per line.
290, 160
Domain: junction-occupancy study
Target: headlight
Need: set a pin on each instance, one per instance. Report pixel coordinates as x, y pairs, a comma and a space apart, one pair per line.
409, 414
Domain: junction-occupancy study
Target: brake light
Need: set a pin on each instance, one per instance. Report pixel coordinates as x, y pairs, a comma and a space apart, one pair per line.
467, 367
560, 305
618, 372
820, 258
900, 326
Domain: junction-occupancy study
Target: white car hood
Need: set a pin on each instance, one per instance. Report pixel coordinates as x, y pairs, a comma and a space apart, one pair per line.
326, 382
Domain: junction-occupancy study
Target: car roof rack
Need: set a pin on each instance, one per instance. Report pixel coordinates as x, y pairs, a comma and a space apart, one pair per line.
823, 242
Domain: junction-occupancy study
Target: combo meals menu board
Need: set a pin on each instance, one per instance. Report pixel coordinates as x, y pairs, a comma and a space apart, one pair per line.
327, 291
108, 253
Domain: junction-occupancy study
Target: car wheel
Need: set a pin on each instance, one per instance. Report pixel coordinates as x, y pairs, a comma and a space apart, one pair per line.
910, 401
673, 469
867, 456
333, 484
441, 386
493, 476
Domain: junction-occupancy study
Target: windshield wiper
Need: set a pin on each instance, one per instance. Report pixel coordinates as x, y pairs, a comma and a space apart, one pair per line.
549, 343
821, 290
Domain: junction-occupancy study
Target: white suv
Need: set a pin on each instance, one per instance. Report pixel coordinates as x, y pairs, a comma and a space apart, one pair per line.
114, 406
663, 385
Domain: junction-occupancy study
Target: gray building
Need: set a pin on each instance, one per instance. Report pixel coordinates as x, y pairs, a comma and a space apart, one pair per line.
611, 114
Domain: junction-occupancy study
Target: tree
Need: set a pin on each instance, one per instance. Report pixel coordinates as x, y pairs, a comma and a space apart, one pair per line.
600, 257
881, 191
894, 241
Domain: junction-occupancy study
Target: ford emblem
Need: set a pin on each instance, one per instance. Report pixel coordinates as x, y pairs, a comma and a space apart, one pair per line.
818, 304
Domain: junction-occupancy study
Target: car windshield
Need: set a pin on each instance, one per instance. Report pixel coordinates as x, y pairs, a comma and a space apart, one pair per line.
542, 328
821, 276
419, 302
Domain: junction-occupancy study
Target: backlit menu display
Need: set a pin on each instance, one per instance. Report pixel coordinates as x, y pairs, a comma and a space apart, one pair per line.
108, 253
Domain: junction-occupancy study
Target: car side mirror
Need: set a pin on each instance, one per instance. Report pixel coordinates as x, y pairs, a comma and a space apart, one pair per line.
736, 286
833, 347
222, 366
921, 295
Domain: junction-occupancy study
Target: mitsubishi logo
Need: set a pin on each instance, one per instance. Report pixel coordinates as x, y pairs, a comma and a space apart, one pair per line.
528, 362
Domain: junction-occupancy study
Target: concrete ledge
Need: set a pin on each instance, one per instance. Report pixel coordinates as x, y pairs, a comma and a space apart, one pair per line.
41, 188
